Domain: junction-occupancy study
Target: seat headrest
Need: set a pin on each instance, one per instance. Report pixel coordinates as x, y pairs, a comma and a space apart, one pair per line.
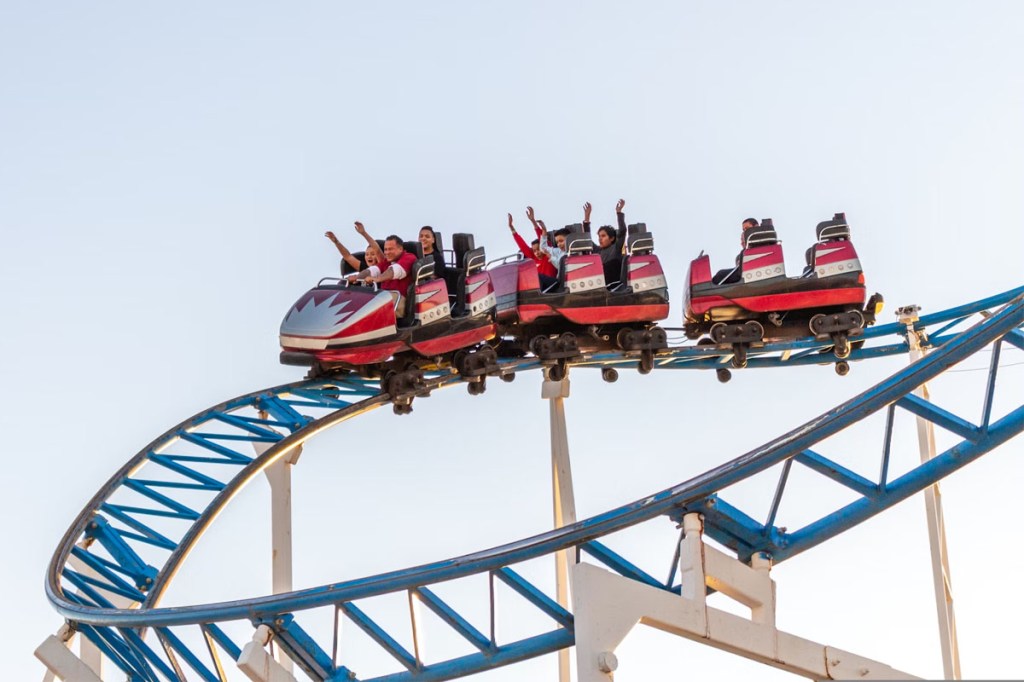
423, 269
475, 259
830, 230
636, 228
462, 242
640, 244
760, 236
578, 243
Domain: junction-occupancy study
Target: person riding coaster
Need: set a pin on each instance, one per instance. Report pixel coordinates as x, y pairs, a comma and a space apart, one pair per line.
344, 325
760, 304
580, 311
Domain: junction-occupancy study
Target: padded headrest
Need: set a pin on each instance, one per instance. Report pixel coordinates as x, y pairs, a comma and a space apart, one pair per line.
830, 230
576, 227
475, 259
578, 243
412, 247
462, 242
423, 269
758, 236
640, 244
636, 228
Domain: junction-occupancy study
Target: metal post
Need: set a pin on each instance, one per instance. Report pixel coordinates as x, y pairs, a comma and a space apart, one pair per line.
563, 499
279, 475
941, 578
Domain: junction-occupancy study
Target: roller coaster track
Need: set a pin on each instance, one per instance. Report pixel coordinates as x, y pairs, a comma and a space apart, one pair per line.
118, 558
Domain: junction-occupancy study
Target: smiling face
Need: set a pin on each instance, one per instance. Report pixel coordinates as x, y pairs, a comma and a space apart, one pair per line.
371, 257
560, 241
393, 249
427, 240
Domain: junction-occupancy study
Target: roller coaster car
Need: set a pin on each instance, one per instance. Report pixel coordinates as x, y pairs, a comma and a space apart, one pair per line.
757, 302
581, 311
340, 326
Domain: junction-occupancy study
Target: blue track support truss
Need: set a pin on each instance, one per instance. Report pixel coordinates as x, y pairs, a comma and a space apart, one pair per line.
135, 532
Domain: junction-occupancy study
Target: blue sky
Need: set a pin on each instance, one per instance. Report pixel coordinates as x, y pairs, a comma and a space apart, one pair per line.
166, 174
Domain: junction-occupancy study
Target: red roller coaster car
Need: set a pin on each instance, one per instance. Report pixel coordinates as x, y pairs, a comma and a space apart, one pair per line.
340, 326
756, 302
581, 311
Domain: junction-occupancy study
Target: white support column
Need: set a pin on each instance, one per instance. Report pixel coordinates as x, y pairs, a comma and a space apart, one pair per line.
941, 579
563, 498
88, 653
61, 662
607, 606
279, 476
258, 665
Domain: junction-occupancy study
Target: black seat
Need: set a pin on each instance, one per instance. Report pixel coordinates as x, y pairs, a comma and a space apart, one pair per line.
463, 244
578, 244
640, 243
832, 230
763, 235
636, 228
827, 231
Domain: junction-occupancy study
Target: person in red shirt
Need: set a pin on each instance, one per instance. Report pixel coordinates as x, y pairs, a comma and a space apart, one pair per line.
395, 274
545, 268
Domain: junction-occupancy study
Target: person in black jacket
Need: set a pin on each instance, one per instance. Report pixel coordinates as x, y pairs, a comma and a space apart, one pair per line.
610, 242
428, 240
734, 275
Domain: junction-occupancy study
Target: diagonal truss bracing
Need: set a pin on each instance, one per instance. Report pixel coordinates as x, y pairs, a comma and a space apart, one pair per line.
137, 530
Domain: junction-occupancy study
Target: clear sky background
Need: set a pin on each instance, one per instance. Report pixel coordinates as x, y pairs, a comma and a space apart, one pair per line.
167, 172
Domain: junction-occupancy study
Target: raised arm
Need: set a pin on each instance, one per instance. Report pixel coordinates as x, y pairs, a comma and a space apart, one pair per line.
346, 255
620, 237
520, 242
586, 217
533, 219
371, 243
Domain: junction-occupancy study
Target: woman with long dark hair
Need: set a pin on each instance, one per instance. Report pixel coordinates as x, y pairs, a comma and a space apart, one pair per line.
428, 240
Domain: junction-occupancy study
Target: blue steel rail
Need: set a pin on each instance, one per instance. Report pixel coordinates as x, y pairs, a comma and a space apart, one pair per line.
117, 559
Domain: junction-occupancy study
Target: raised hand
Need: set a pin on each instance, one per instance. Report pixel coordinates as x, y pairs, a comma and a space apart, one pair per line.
510, 225
360, 229
529, 214
586, 212
621, 205
542, 226
330, 235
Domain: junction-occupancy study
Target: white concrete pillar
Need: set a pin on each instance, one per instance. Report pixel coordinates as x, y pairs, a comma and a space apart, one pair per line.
563, 498
942, 581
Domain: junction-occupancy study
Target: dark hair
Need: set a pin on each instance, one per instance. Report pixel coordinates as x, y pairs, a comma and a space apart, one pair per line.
607, 229
398, 240
561, 232
433, 236
535, 242
753, 222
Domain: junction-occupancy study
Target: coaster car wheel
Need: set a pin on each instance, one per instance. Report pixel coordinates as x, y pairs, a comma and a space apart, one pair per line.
842, 368
610, 374
723, 375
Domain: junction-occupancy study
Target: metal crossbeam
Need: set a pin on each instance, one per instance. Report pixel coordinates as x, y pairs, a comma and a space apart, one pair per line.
307, 407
